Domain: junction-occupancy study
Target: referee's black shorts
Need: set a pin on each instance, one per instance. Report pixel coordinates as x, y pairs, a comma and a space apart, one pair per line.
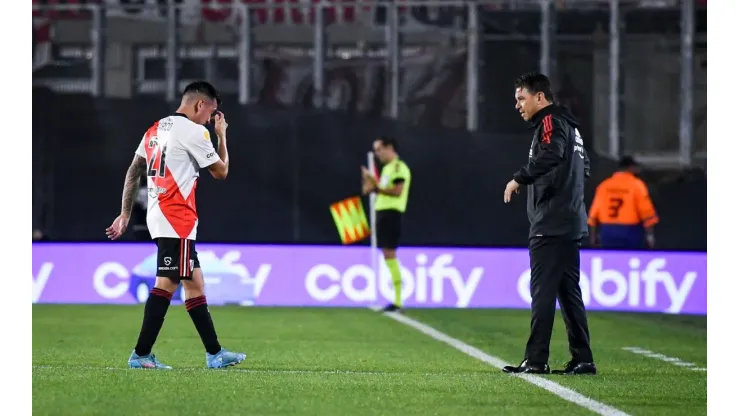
176, 258
388, 228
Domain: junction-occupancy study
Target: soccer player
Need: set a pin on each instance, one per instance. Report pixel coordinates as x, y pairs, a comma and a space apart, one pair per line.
555, 174
622, 216
393, 195
171, 153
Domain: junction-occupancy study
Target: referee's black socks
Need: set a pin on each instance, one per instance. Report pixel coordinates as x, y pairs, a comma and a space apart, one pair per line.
154, 312
198, 310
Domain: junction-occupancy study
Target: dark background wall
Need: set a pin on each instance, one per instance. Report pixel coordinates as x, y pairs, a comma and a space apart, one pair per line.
289, 165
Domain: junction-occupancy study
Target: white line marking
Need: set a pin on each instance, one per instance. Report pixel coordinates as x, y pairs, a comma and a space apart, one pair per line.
658, 356
637, 350
672, 360
684, 364
554, 388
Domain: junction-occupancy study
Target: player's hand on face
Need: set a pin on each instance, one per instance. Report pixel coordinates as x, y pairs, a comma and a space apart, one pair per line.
220, 125
511, 188
118, 227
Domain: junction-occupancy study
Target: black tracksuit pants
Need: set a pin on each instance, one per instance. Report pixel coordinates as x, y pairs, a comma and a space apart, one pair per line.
555, 264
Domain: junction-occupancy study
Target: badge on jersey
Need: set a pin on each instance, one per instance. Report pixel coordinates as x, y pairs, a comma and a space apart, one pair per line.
206, 136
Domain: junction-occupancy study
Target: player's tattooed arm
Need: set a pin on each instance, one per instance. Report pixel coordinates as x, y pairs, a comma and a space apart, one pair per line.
131, 185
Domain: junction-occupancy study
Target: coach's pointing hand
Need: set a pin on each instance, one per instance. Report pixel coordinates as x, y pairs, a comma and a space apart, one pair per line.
511, 187
220, 124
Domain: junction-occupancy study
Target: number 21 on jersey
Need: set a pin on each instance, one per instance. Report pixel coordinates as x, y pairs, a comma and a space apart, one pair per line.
159, 155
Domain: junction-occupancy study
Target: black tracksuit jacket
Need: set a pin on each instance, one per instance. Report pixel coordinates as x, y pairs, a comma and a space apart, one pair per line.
555, 174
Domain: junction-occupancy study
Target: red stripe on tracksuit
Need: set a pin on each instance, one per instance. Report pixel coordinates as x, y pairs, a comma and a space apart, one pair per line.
547, 129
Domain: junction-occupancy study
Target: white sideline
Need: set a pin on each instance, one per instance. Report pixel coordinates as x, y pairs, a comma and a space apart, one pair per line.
554, 388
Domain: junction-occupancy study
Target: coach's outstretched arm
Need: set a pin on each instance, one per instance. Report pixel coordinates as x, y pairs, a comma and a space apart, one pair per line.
130, 189
552, 145
220, 169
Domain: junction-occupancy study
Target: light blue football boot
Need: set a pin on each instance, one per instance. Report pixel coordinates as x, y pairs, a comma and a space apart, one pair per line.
224, 358
146, 361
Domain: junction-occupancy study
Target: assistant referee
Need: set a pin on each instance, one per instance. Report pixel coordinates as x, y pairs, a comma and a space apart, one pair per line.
554, 176
393, 195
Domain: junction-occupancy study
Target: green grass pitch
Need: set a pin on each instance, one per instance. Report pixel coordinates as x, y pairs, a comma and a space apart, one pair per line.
305, 361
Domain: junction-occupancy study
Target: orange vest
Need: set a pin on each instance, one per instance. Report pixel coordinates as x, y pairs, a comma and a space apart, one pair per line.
622, 199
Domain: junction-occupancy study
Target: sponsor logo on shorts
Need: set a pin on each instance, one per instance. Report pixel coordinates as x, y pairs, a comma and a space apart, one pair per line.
167, 261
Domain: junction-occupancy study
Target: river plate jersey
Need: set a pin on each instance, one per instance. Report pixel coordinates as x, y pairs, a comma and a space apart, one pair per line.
175, 149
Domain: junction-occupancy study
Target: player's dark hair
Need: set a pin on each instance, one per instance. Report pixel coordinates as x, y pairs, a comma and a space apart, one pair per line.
535, 82
389, 141
205, 88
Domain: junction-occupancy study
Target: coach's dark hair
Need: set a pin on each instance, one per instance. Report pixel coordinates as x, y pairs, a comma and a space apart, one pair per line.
388, 141
203, 87
535, 82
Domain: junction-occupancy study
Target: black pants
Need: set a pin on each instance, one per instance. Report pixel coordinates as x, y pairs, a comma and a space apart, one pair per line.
556, 264
388, 228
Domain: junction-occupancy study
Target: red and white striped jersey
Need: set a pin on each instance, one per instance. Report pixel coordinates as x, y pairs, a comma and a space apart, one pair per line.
175, 149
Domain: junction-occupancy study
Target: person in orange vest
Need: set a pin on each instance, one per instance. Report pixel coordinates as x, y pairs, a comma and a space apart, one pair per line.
622, 216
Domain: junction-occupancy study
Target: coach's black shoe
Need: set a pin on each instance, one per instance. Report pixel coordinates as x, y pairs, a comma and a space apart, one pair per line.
391, 308
527, 368
573, 368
